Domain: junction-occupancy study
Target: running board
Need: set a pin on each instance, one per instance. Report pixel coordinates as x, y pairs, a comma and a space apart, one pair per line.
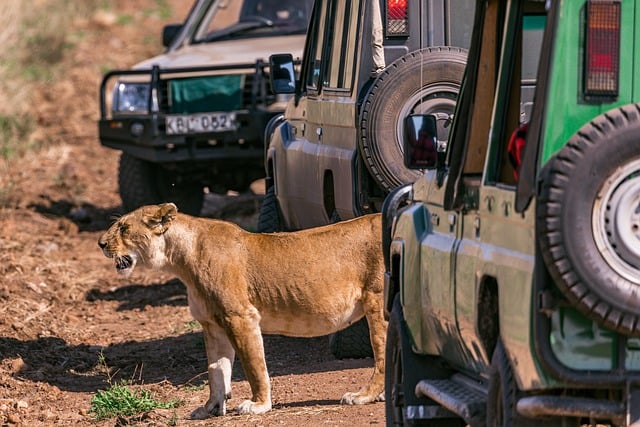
457, 396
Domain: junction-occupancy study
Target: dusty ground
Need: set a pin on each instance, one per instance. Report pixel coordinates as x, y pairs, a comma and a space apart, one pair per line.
68, 325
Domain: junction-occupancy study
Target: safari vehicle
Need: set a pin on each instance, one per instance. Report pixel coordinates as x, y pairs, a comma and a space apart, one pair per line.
193, 118
513, 288
336, 151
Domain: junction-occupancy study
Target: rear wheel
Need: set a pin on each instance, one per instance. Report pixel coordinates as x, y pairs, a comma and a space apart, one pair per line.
352, 342
269, 217
501, 401
422, 82
144, 183
502, 398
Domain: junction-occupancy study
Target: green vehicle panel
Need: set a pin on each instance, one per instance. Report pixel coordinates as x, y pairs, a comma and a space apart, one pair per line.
513, 274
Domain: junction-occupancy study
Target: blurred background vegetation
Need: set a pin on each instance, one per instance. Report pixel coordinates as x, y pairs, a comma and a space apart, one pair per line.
38, 40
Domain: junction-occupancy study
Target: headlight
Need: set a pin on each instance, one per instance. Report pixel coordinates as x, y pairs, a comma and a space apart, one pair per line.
131, 97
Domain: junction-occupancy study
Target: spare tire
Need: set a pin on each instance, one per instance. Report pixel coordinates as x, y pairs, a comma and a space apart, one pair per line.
426, 81
588, 219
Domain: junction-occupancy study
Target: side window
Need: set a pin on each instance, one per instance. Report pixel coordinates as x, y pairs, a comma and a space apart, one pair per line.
343, 45
460, 22
515, 99
319, 30
332, 45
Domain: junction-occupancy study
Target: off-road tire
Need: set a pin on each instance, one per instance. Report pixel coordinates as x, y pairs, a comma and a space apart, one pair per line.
426, 81
403, 370
269, 217
352, 342
144, 183
588, 227
501, 397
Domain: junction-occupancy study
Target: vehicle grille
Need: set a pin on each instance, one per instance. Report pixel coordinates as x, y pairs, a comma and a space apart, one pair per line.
256, 92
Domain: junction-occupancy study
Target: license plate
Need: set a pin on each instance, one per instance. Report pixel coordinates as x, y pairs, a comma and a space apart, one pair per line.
200, 123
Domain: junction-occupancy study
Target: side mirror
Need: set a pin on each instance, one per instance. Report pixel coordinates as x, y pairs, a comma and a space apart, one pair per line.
282, 75
420, 141
169, 32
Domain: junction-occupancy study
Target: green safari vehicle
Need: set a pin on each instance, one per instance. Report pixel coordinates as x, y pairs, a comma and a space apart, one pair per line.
513, 262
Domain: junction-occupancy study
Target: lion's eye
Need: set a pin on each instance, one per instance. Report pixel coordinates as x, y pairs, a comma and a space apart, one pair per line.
123, 228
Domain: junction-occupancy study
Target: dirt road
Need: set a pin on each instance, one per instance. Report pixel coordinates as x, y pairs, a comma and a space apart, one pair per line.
68, 325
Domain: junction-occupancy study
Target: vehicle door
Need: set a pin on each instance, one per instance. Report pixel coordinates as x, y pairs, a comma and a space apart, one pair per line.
494, 256
325, 141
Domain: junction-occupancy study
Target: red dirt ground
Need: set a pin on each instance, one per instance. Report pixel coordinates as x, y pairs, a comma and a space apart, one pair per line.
68, 324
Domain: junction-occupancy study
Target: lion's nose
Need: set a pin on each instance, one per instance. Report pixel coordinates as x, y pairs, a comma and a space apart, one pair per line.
102, 244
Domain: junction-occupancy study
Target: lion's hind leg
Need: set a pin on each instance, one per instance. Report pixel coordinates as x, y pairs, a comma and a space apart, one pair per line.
220, 355
374, 390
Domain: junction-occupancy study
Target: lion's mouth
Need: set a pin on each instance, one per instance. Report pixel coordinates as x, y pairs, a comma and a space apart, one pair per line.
123, 262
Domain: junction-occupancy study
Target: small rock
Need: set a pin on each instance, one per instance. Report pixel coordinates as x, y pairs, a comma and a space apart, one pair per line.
104, 18
18, 365
13, 419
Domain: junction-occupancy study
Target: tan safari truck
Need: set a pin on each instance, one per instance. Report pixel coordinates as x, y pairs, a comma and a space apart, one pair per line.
513, 263
193, 118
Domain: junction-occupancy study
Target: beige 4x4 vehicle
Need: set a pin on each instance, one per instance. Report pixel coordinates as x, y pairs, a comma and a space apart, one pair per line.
193, 117
336, 151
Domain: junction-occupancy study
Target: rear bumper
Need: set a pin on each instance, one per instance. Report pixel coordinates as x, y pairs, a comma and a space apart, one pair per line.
579, 407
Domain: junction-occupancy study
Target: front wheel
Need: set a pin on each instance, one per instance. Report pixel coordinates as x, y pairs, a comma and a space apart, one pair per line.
144, 183
403, 370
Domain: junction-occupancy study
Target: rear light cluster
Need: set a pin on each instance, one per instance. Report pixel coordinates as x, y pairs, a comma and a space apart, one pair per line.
602, 54
397, 18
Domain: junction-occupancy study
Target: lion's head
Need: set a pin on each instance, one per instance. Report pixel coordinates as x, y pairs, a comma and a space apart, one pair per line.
136, 238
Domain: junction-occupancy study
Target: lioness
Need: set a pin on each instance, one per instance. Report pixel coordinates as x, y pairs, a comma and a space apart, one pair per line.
239, 285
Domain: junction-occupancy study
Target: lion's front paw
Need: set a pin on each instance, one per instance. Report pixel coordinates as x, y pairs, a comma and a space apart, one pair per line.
360, 398
250, 407
209, 409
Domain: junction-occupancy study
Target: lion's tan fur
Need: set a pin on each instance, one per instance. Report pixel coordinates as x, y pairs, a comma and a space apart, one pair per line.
239, 284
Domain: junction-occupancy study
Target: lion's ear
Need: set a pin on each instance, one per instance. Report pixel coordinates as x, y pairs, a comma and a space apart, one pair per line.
162, 217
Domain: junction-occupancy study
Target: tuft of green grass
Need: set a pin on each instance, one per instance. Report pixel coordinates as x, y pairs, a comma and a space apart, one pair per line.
120, 400
14, 135
125, 19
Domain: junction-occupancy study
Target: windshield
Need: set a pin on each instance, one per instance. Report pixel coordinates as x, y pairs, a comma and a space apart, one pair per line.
253, 18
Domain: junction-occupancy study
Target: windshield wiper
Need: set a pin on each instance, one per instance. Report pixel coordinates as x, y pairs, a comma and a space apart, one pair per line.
255, 23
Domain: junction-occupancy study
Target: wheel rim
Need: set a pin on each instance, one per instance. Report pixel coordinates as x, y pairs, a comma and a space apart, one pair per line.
616, 221
438, 99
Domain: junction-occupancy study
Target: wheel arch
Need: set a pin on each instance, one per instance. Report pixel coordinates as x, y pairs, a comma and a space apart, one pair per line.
488, 314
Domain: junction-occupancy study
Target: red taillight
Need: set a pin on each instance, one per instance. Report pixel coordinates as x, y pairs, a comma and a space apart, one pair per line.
397, 15
602, 56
